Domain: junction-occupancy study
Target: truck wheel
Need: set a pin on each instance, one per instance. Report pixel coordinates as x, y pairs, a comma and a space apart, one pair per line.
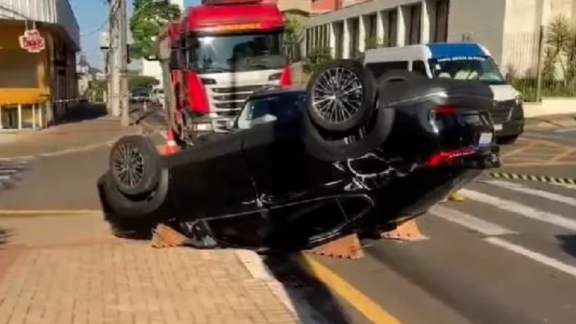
342, 96
398, 76
135, 165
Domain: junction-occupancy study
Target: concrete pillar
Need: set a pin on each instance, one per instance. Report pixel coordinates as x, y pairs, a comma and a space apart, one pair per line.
362, 33
425, 21
401, 26
380, 23
19, 116
332, 39
346, 42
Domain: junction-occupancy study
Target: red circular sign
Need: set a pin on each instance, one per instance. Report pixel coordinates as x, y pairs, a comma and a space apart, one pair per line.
32, 41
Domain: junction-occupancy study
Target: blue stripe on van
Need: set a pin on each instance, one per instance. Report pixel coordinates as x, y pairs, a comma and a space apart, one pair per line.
457, 49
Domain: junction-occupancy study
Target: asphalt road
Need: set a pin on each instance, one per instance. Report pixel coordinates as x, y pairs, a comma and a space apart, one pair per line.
507, 254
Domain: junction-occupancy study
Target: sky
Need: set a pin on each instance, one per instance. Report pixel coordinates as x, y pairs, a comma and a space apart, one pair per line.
92, 17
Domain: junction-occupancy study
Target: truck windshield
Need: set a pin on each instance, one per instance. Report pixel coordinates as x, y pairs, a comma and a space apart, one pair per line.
236, 53
480, 68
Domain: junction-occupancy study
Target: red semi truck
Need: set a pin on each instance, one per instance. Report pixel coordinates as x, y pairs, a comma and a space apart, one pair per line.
222, 51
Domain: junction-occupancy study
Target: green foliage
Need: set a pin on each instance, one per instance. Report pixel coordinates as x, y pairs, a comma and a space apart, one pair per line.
293, 32
316, 58
373, 43
560, 50
148, 20
142, 82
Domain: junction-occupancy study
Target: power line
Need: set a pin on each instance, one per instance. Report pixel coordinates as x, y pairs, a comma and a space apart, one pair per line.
105, 23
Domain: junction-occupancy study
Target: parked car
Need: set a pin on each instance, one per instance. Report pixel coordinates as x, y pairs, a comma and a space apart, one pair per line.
157, 96
139, 95
303, 166
470, 61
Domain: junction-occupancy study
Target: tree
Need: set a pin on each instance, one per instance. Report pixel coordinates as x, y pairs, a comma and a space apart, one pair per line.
560, 50
148, 20
292, 36
142, 82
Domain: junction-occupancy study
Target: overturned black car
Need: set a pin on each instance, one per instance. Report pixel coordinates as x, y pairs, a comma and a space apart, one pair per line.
303, 167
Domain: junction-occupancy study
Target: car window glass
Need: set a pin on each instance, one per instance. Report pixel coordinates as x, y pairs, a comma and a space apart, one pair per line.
382, 67
271, 108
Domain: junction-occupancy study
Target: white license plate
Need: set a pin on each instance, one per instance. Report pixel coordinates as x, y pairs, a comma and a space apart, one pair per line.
498, 127
485, 139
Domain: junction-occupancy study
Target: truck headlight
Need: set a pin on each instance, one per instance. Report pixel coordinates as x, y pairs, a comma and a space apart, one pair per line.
275, 77
203, 127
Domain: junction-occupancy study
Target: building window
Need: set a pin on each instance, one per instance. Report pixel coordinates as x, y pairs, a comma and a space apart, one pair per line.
390, 22
378, 69
419, 67
413, 35
354, 31
441, 20
370, 27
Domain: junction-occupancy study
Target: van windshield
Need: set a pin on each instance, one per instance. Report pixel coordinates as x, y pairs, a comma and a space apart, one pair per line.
481, 68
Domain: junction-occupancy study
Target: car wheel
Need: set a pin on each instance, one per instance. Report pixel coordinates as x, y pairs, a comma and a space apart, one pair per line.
135, 165
132, 229
342, 96
507, 140
398, 76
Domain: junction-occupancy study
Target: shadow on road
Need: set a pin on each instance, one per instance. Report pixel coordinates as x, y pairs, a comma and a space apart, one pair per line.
83, 112
320, 306
568, 243
5, 235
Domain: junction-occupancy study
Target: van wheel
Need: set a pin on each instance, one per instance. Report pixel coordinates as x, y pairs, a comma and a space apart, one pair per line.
342, 96
399, 76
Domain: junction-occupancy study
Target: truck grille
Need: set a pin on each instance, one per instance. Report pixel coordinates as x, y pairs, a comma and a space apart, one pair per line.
227, 102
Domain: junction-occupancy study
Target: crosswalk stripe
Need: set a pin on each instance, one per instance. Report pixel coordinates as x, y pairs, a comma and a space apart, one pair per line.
471, 222
535, 256
533, 192
520, 209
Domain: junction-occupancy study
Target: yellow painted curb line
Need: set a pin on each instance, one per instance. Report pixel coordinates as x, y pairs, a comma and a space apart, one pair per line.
370, 309
48, 211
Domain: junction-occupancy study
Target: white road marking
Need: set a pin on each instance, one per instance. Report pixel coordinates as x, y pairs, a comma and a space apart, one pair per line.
474, 223
535, 256
521, 210
533, 192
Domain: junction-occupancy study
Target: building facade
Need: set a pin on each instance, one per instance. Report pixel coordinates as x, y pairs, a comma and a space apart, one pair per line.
510, 29
152, 68
38, 46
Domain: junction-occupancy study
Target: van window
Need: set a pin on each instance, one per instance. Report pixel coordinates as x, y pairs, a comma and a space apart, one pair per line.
419, 67
382, 67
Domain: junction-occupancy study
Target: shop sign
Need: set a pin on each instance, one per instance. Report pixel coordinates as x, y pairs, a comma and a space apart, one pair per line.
32, 41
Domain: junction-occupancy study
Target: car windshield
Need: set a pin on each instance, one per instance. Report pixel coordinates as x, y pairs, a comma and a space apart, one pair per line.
480, 68
236, 53
271, 108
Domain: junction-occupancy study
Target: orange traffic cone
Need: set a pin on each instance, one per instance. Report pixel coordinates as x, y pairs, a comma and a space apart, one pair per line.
171, 146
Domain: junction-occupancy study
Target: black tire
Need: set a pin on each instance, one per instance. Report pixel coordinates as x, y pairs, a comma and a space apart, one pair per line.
507, 140
361, 88
132, 229
139, 206
398, 76
139, 155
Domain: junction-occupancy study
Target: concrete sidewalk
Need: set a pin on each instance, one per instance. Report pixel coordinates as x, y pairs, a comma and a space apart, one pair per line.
87, 127
68, 269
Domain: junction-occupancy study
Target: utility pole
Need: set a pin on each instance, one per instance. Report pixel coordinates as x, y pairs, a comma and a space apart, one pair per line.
124, 102
115, 57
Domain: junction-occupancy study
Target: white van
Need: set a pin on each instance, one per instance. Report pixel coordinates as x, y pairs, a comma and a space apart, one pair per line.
456, 61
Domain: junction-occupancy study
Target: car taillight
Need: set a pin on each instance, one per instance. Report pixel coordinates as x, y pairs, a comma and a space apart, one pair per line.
445, 110
445, 157
286, 78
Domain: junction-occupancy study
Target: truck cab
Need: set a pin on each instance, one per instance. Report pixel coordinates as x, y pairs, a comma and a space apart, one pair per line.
224, 52
465, 61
